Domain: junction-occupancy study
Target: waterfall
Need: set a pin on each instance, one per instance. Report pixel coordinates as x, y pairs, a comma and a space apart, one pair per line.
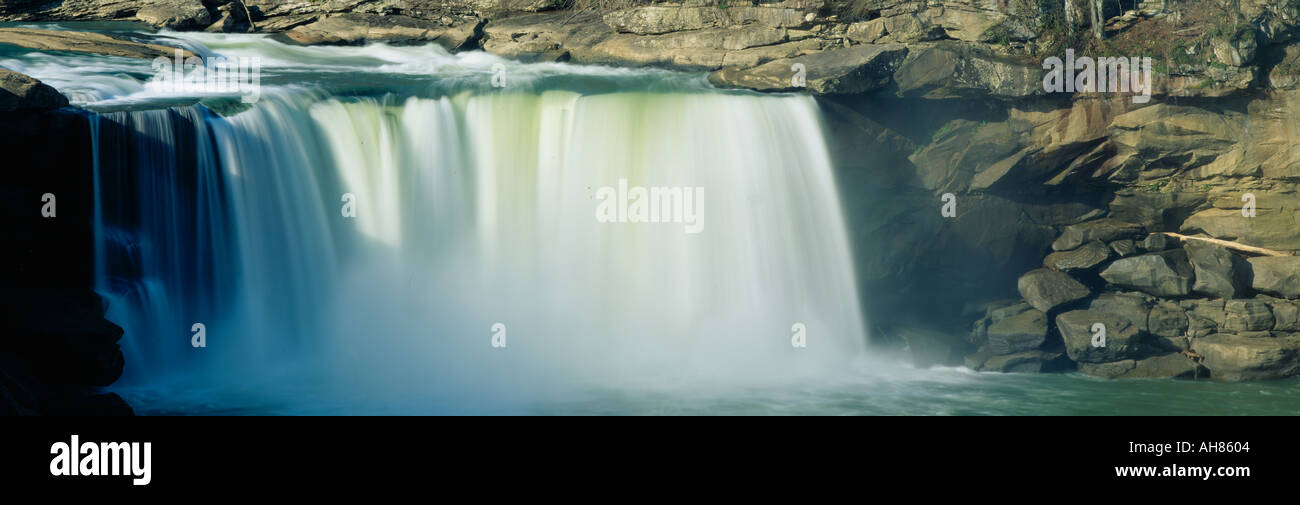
475, 218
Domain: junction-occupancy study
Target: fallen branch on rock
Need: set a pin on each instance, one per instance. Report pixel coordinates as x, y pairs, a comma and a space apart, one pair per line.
1230, 245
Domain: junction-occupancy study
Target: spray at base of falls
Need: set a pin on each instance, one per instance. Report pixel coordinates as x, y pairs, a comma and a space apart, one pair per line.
475, 217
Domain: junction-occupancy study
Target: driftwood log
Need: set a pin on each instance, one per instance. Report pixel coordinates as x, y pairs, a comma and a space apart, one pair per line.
1230, 245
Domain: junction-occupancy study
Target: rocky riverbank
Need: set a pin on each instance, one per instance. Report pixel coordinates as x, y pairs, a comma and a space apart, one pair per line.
1118, 302
938, 102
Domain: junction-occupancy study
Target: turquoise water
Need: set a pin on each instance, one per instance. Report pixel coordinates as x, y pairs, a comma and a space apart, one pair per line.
882, 389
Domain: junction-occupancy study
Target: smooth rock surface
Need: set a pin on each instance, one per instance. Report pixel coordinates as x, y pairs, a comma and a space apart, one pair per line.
1046, 289
1166, 273
1123, 340
1219, 272
1238, 358
1276, 275
1084, 257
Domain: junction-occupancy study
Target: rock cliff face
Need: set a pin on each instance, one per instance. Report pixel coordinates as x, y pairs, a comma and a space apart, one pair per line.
56, 348
965, 179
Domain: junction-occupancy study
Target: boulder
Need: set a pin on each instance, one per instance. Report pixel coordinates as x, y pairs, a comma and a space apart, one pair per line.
1276, 275
1274, 226
175, 14
1164, 274
231, 18
1155, 242
1204, 317
1247, 315
1173, 365
857, 69
1084, 257
1134, 307
1286, 315
866, 32
1047, 289
1218, 271
1105, 230
1240, 358
1124, 247
1199, 326
66, 342
357, 28
1123, 340
1022, 332
18, 92
1167, 320
1036, 361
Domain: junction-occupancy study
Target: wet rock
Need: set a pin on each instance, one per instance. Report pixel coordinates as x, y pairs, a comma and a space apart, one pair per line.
1104, 230
1173, 365
1036, 361
1021, 332
1276, 275
1165, 273
1240, 358
231, 18
85, 10
1047, 289
1123, 340
62, 340
175, 14
84, 42
19, 92
1084, 257
1219, 272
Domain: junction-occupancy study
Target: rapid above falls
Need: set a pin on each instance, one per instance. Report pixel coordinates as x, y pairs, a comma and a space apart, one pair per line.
431, 245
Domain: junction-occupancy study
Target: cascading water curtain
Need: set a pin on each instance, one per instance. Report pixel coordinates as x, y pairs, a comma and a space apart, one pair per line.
497, 246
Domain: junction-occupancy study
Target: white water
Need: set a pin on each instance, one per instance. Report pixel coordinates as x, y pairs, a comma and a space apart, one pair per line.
473, 208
